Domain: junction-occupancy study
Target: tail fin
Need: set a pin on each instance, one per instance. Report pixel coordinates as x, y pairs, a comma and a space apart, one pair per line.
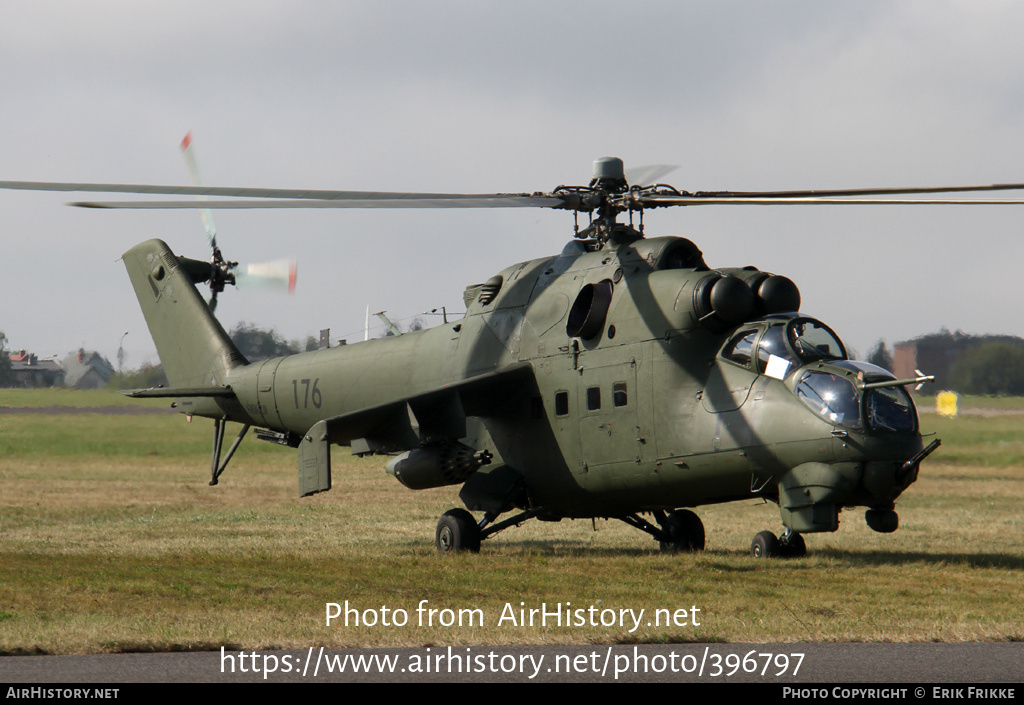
193, 347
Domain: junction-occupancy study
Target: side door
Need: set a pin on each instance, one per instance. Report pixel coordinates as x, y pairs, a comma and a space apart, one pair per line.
607, 399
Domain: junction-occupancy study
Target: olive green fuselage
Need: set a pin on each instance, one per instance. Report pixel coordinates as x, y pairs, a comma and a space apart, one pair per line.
644, 414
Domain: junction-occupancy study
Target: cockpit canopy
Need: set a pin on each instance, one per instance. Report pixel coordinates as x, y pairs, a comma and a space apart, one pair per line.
830, 385
781, 345
836, 393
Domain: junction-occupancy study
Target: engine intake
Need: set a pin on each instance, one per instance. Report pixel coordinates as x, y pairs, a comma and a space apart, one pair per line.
728, 297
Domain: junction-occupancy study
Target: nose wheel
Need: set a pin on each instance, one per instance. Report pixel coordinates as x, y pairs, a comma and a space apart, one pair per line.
768, 545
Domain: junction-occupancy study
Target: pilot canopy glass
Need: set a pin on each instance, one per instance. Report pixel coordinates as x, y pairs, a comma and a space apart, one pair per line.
812, 340
890, 409
838, 400
831, 396
778, 347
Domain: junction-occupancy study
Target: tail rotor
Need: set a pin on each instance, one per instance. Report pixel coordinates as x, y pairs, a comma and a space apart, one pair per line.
275, 275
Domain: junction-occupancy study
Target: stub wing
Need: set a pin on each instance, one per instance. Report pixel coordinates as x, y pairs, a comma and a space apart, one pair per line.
178, 392
435, 416
438, 414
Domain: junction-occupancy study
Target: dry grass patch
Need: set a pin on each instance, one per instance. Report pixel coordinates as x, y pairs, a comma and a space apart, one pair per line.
130, 549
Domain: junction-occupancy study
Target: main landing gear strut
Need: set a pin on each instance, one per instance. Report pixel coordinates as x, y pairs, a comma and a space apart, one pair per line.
679, 531
457, 530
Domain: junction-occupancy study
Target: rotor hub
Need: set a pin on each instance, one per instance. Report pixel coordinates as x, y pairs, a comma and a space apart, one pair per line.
609, 175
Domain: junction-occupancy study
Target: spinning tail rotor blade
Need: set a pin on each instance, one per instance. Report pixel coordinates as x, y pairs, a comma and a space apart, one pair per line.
193, 169
279, 274
276, 275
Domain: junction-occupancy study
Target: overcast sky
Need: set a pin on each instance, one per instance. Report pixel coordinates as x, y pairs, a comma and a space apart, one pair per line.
480, 96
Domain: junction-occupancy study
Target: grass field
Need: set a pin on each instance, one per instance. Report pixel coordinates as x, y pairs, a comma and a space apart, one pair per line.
112, 540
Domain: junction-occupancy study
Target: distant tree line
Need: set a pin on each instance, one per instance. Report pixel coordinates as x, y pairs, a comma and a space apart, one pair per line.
262, 343
991, 368
881, 356
6, 373
143, 378
968, 364
252, 341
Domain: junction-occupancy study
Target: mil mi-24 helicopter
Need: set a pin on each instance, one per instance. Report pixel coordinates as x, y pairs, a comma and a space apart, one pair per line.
621, 378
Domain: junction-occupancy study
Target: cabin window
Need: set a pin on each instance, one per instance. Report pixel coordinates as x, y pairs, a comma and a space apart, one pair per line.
593, 398
619, 395
741, 348
561, 403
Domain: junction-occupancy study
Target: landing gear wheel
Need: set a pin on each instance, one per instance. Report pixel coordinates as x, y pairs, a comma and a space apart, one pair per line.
457, 532
792, 545
764, 545
686, 531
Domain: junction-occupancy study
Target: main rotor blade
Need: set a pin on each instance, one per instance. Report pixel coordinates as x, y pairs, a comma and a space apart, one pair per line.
361, 198
655, 201
308, 198
382, 200
825, 193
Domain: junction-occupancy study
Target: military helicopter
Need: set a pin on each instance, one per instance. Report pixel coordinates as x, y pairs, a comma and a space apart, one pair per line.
622, 378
